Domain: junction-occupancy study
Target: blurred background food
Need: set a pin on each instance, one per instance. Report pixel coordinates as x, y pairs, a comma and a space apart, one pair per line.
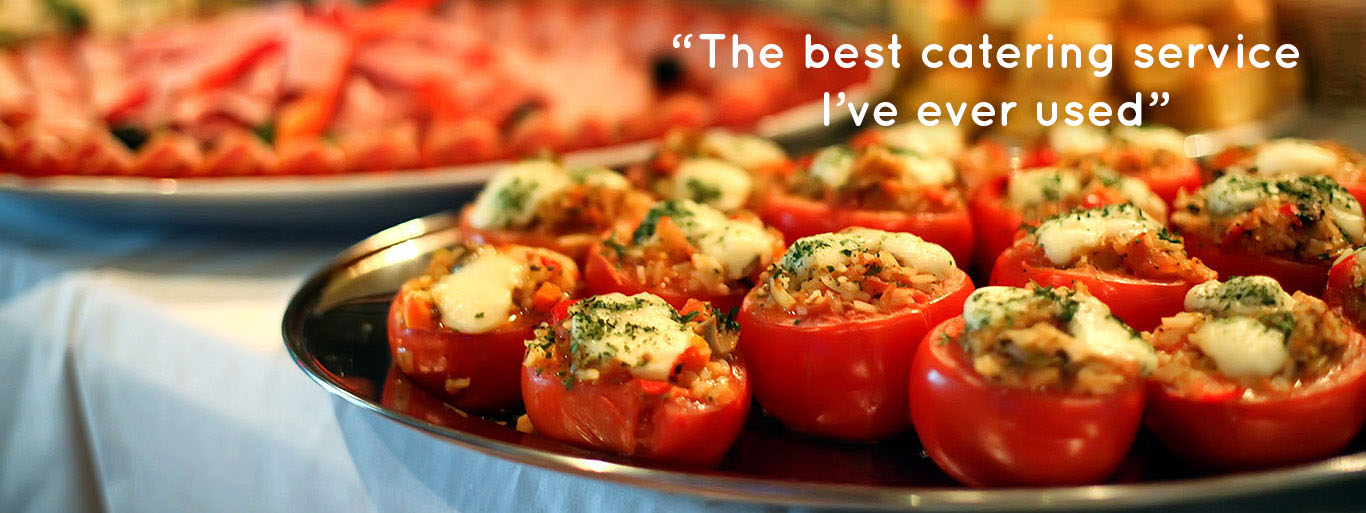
1202, 98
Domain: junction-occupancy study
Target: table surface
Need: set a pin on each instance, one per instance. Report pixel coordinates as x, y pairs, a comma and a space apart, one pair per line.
145, 372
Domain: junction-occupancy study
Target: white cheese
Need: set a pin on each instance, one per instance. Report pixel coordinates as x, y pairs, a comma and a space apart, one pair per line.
1064, 237
600, 177
1242, 347
832, 166
1240, 295
1042, 185
942, 140
715, 183
641, 331
1104, 335
514, 193
747, 151
1156, 138
1077, 140
1233, 194
928, 170
737, 246
832, 249
1346, 213
1096, 332
1294, 157
1138, 193
477, 297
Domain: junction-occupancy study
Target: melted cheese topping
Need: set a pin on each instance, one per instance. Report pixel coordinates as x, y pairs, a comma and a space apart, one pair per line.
1295, 157
1242, 346
1042, 185
599, 177
1235, 194
715, 183
1096, 332
513, 194
1240, 295
927, 170
1138, 193
1156, 138
746, 151
737, 246
640, 331
477, 297
1078, 140
832, 166
942, 140
1063, 238
830, 249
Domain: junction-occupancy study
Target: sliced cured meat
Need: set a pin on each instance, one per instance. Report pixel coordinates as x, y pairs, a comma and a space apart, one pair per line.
114, 91
382, 148
311, 157
460, 142
169, 155
15, 92
239, 153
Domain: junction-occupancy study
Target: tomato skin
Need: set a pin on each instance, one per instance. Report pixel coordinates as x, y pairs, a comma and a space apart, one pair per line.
601, 277
431, 354
1168, 184
843, 380
1231, 432
609, 416
799, 217
987, 435
574, 246
1357, 190
1138, 302
1292, 275
1342, 294
994, 222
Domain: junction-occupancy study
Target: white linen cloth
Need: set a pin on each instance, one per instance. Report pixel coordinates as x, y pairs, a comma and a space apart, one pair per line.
143, 370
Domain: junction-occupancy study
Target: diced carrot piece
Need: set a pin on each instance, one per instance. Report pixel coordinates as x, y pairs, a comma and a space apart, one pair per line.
546, 296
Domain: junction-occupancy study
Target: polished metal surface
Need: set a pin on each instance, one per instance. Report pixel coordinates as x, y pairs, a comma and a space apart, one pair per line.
768, 466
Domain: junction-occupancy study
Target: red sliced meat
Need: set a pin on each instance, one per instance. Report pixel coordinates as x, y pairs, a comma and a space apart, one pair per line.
16, 104
102, 154
239, 153
169, 155
114, 91
313, 157
382, 148
60, 93
317, 57
460, 142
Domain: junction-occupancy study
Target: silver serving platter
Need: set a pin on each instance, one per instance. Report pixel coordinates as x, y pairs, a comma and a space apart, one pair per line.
334, 330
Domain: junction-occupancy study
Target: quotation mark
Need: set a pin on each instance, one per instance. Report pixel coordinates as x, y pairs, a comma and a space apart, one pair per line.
687, 41
1159, 100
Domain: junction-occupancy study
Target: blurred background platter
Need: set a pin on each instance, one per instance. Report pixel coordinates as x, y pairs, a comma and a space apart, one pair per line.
333, 329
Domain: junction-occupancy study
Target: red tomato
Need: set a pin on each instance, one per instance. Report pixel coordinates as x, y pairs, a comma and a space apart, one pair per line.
638, 418
1357, 190
988, 435
1233, 431
1292, 275
799, 217
842, 378
435, 356
1343, 294
602, 277
1169, 182
574, 245
1138, 302
994, 222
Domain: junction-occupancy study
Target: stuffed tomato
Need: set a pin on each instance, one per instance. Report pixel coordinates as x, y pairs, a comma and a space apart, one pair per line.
539, 203
830, 330
1346, 289
1250, 376
458, 330
1000, 208
1297, 157
1290, 229
1120, 255
717, 168
1155, 155
634, 376
875, 187
683, 250
1030, 387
